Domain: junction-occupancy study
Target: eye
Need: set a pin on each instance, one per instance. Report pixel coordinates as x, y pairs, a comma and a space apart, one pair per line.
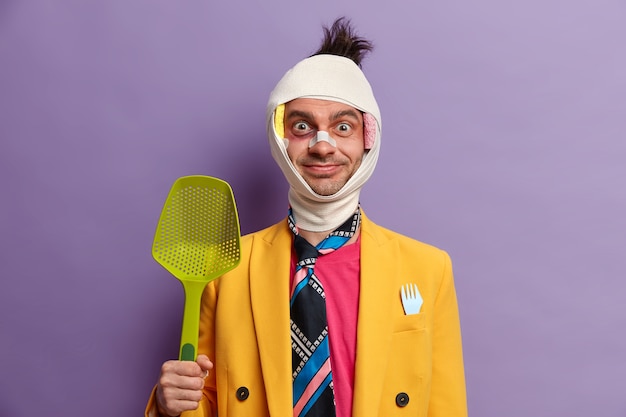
301, 128
344, 129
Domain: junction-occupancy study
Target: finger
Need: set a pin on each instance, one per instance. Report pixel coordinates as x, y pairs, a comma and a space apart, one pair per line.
184, 368
179, 394
172, 401
182, 382
175, 408
204, 362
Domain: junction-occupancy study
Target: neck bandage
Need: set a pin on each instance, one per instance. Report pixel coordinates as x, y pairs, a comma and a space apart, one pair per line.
334, 78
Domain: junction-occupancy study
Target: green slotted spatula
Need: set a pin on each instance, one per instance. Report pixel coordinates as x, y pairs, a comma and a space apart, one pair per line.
197, 240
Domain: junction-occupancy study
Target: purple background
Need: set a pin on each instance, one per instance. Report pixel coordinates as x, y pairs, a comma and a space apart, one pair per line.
504, 143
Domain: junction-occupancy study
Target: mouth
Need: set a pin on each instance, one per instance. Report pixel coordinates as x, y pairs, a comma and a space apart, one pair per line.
321, 170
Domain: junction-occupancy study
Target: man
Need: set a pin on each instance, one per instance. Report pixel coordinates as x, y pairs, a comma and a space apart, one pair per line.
326, 269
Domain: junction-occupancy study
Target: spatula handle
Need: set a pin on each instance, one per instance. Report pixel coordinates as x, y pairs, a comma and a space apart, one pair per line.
191, 320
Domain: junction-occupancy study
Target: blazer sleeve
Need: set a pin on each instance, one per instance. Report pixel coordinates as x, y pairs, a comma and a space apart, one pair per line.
448, 395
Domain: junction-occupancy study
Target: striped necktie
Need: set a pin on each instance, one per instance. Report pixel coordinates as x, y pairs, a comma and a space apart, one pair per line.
312, 377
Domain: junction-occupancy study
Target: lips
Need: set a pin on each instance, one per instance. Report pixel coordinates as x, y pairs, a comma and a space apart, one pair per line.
322, 170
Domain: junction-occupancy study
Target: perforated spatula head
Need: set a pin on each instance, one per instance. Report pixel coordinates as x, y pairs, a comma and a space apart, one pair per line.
197, 240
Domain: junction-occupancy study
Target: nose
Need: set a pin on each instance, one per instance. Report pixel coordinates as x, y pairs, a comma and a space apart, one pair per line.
322, 136
322, 148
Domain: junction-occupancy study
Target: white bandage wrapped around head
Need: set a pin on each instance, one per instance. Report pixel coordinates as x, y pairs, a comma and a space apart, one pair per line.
334, 78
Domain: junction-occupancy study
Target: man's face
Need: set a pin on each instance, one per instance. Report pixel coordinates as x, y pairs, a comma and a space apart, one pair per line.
324, 167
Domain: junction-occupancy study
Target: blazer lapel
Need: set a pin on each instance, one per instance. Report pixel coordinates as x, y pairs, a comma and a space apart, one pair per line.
373, 330
269, 286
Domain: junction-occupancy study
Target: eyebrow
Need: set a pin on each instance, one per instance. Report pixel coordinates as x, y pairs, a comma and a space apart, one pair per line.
342, 113
299, 113
309, 116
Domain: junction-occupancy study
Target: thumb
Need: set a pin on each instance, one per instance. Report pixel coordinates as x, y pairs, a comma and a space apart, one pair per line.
204, 362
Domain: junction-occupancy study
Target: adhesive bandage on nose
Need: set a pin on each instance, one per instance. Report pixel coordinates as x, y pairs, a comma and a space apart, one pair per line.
322, 137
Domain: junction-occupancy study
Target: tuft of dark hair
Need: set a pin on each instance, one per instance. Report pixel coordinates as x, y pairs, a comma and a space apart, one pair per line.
341, 39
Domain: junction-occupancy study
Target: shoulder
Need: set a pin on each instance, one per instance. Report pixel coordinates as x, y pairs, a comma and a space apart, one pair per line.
273, 241
385, 238
274, 237
268, 234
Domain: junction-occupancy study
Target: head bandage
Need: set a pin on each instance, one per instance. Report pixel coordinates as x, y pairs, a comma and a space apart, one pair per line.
334, 78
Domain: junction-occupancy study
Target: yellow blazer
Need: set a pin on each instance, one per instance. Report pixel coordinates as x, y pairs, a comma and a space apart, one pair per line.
405, 365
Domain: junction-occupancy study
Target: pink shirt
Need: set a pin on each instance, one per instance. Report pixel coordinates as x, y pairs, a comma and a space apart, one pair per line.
339, 273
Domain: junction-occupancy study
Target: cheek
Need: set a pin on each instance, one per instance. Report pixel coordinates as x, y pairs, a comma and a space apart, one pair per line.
355, 150
292, 150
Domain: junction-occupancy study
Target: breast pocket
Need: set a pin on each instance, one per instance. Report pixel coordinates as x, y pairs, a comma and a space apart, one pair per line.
410, 322
411, 342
